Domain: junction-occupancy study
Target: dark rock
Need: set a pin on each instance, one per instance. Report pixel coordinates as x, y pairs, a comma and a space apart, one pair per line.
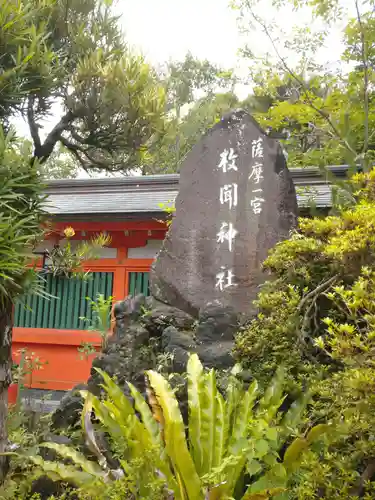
217, 323
127, 311
109, 363
172, 336
126, 357
236, 201
68, 412
128, 353
216, 355
115, 365
135, 334
152, 303
46, 488
179, 344
212, 338
158, 319
179, 385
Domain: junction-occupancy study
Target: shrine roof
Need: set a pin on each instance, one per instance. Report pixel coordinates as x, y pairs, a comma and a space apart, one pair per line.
137, 196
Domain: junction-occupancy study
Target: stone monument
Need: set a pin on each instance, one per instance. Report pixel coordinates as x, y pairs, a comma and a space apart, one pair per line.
236, 201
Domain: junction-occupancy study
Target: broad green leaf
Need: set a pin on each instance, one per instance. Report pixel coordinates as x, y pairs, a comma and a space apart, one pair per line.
293, 453
208, 422
271, 434
67, 473
196, 382
77, 458
317, 432
243, 413
240, 431
175, 438
88, 429
253, 467
265, 494
221, 430
153, 430
148, 420
279, 470
261, 447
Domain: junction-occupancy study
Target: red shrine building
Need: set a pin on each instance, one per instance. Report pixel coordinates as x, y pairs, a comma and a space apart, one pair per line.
131, 210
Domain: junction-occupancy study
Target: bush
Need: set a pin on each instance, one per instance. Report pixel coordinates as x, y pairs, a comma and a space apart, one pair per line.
318, 318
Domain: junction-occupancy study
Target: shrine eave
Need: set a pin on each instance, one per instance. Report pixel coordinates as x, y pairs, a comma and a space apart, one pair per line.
141, 197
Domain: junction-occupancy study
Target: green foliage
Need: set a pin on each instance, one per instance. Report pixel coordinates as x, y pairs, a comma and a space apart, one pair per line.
21, 215
324, 114
242, 445
169, 210
23, 371
60, 165
101, 317
73, 54
117, 112
194, 105
63, 261
25, 430
317, 318
23, 49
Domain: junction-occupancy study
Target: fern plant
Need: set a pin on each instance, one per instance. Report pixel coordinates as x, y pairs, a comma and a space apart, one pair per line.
231, 448
101, 309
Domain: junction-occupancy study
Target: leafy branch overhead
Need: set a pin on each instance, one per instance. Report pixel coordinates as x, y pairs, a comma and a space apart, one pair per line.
110, 99
322, 110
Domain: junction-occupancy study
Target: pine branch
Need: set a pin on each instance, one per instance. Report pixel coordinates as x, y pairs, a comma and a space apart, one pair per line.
33, 126
43, 151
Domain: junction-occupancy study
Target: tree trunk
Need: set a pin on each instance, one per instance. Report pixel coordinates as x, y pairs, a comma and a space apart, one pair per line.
5, 380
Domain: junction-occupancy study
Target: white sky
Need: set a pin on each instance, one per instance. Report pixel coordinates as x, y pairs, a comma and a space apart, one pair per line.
165, 29
168, 29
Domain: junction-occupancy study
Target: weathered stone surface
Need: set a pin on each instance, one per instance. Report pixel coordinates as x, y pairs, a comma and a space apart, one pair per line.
136, 345
45, 488
128, 311
217, 355
217, 323
135, 333
215, 332
179, 344
236, 201
68, 412
158, 319
123, 358
212, 339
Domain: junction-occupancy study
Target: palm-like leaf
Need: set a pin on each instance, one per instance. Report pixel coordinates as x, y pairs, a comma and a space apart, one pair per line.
21, 215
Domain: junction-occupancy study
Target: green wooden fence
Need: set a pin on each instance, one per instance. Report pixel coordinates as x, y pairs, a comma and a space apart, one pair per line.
70, 304
139, 283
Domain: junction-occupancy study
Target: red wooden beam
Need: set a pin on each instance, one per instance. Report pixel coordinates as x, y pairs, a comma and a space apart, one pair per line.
111, 226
